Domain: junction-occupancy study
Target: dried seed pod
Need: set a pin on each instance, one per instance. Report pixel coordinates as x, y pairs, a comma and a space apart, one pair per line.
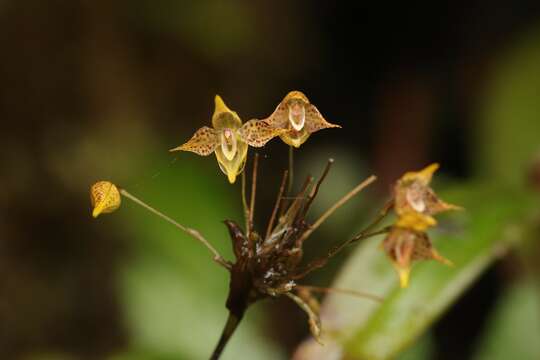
105, 198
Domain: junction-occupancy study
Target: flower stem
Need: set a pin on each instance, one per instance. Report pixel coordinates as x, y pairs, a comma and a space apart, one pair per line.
337, 205
277, 205
191, 232
228, 331
291, 169
360, 294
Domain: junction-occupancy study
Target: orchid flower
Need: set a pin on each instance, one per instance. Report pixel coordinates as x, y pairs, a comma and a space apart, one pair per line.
297, 118
223, 139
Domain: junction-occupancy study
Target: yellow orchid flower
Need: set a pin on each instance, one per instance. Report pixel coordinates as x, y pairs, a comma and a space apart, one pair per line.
223, 139
105, 198
298, 119
413, 194
404, 246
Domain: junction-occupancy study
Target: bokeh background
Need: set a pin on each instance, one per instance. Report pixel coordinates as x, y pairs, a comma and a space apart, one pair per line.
95, 90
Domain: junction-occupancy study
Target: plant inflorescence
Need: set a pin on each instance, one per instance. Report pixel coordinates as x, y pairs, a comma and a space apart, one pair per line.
268, 263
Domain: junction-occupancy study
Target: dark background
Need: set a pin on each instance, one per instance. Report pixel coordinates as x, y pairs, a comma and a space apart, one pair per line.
101, 89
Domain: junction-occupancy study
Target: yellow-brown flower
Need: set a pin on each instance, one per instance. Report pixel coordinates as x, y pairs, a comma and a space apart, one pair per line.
105, 198
405, 245
412, 193
298, 119
223, 139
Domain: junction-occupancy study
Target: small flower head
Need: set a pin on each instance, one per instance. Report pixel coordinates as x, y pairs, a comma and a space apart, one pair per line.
404, 246
413, 194
298, 118
105, 198
223, 139
414, 203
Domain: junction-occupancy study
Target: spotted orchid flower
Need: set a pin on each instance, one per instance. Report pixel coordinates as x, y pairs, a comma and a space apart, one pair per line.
223, 139
415, 203
405, 245
297, 118
413, 194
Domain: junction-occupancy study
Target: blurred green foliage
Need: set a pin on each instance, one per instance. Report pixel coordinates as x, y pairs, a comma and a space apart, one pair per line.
473, 239
513, 329
499, 215
508, 131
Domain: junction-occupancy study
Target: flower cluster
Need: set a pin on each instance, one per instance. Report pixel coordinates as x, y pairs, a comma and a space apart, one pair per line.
415, 203
294, 120
269, 264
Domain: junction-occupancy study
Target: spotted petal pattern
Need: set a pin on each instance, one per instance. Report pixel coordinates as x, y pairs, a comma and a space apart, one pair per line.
105, 198
315, 121
258, 132
298, 118
203, 142
280, 116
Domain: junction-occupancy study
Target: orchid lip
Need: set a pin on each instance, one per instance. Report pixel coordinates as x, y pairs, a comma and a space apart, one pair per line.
295, 113
228, 144
416, 202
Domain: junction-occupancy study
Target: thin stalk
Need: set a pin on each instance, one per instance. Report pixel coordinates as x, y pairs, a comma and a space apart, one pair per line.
253, 193
291, 169
228, 331
315, 189
276, 206
337, 205
320, 262
191, 232
313, 318
244, 202
359, 294
380, 216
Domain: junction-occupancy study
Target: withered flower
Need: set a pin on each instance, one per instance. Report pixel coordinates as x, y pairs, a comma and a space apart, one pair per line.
223, 140
298, 118
412, 193
408, 242
267, 265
